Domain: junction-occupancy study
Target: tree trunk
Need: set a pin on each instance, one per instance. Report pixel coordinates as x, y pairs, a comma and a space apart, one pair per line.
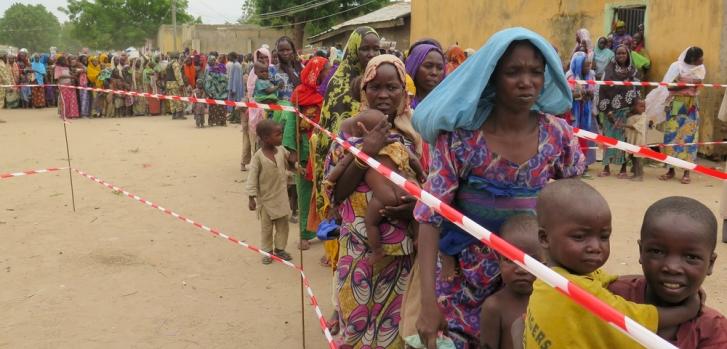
298, 33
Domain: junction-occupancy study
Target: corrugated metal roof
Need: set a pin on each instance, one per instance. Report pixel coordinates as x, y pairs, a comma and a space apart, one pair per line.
383, 14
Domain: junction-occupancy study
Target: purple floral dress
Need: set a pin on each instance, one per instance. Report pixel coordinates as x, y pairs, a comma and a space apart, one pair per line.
489, 189
369, 296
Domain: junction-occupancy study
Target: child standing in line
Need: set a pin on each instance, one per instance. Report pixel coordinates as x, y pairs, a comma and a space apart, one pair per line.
117, 83
676, 252
574, 228
509, 304
635, 130
199, 109
267, 189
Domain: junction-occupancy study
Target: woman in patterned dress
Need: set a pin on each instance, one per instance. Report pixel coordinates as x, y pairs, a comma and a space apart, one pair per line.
370, 295
491, 154
614, 106
682, 109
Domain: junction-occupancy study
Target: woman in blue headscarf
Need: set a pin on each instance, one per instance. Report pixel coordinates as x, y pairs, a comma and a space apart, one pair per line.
582, 110
38, 73
494, 145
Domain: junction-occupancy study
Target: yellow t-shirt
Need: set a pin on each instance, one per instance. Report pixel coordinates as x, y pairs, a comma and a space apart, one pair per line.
553, 321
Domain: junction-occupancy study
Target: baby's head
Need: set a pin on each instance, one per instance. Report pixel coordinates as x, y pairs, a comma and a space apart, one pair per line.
369, 118
574, 226
678, 238
261, 70
270, 132
520, 231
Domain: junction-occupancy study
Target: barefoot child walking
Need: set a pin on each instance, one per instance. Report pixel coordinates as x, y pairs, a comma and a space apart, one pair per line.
267, 189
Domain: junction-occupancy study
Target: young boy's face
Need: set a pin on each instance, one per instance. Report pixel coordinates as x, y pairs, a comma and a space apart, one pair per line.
639, 106
275, 137
578, 240
676, 255
517, 279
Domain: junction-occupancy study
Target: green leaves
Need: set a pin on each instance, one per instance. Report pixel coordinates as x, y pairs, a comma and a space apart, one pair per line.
106, 24
29, 26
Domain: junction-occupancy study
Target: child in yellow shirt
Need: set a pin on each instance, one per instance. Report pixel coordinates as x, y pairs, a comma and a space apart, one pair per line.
574, 230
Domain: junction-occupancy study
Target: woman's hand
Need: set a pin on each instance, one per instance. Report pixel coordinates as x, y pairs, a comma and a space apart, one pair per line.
375, 138
429, 324
404, 210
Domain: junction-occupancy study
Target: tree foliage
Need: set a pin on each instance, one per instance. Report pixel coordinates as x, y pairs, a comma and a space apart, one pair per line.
316, 16
117, 24
29, 26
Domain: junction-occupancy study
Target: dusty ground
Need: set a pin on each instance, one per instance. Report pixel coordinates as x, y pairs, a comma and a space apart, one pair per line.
119, 274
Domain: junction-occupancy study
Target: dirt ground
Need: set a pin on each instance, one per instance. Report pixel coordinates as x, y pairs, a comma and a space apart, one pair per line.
118, 274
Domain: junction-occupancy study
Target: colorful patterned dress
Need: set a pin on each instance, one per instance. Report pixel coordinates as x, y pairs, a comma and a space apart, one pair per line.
682, 123
488, 189
369, 296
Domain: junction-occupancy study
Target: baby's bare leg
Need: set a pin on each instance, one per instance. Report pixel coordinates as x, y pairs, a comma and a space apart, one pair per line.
372, 220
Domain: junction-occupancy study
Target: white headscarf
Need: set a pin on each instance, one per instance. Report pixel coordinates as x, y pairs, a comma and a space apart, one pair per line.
656, 99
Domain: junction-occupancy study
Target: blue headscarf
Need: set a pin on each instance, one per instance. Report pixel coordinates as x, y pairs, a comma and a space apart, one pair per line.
581, 110
465, 98
39, 68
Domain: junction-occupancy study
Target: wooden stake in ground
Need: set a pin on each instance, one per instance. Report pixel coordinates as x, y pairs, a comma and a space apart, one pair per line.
300, 228
68, 151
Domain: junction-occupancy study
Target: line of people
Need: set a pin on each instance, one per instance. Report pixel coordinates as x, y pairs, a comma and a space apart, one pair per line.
485, 134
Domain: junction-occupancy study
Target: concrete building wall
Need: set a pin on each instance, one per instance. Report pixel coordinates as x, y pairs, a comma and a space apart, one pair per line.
670, 25
221, 38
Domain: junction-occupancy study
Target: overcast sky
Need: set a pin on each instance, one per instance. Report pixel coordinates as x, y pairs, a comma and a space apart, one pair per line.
211, 11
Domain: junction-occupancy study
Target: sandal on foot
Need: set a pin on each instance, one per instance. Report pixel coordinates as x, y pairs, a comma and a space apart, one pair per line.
667, 176
283, 255
267, 259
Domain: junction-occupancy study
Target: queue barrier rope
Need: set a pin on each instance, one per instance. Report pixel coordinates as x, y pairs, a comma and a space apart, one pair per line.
596, 306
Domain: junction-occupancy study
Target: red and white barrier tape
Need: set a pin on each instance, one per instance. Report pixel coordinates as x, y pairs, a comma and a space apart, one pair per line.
643, 83
306, 283
30, 172
541, 271
646, 152
664, 145
176, 98
585, 299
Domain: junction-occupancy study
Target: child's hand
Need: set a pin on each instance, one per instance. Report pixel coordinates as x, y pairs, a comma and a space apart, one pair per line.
251, 204
610, 118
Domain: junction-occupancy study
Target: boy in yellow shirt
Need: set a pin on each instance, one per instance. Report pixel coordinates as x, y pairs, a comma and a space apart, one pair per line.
574, 230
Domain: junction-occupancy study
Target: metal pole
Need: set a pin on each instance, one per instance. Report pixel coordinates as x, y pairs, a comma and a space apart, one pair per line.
174, 23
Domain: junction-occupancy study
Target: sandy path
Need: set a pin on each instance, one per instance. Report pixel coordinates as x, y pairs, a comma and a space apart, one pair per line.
119, 274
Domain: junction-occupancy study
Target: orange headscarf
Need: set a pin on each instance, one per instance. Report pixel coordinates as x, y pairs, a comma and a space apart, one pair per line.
455, 57
191, 74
